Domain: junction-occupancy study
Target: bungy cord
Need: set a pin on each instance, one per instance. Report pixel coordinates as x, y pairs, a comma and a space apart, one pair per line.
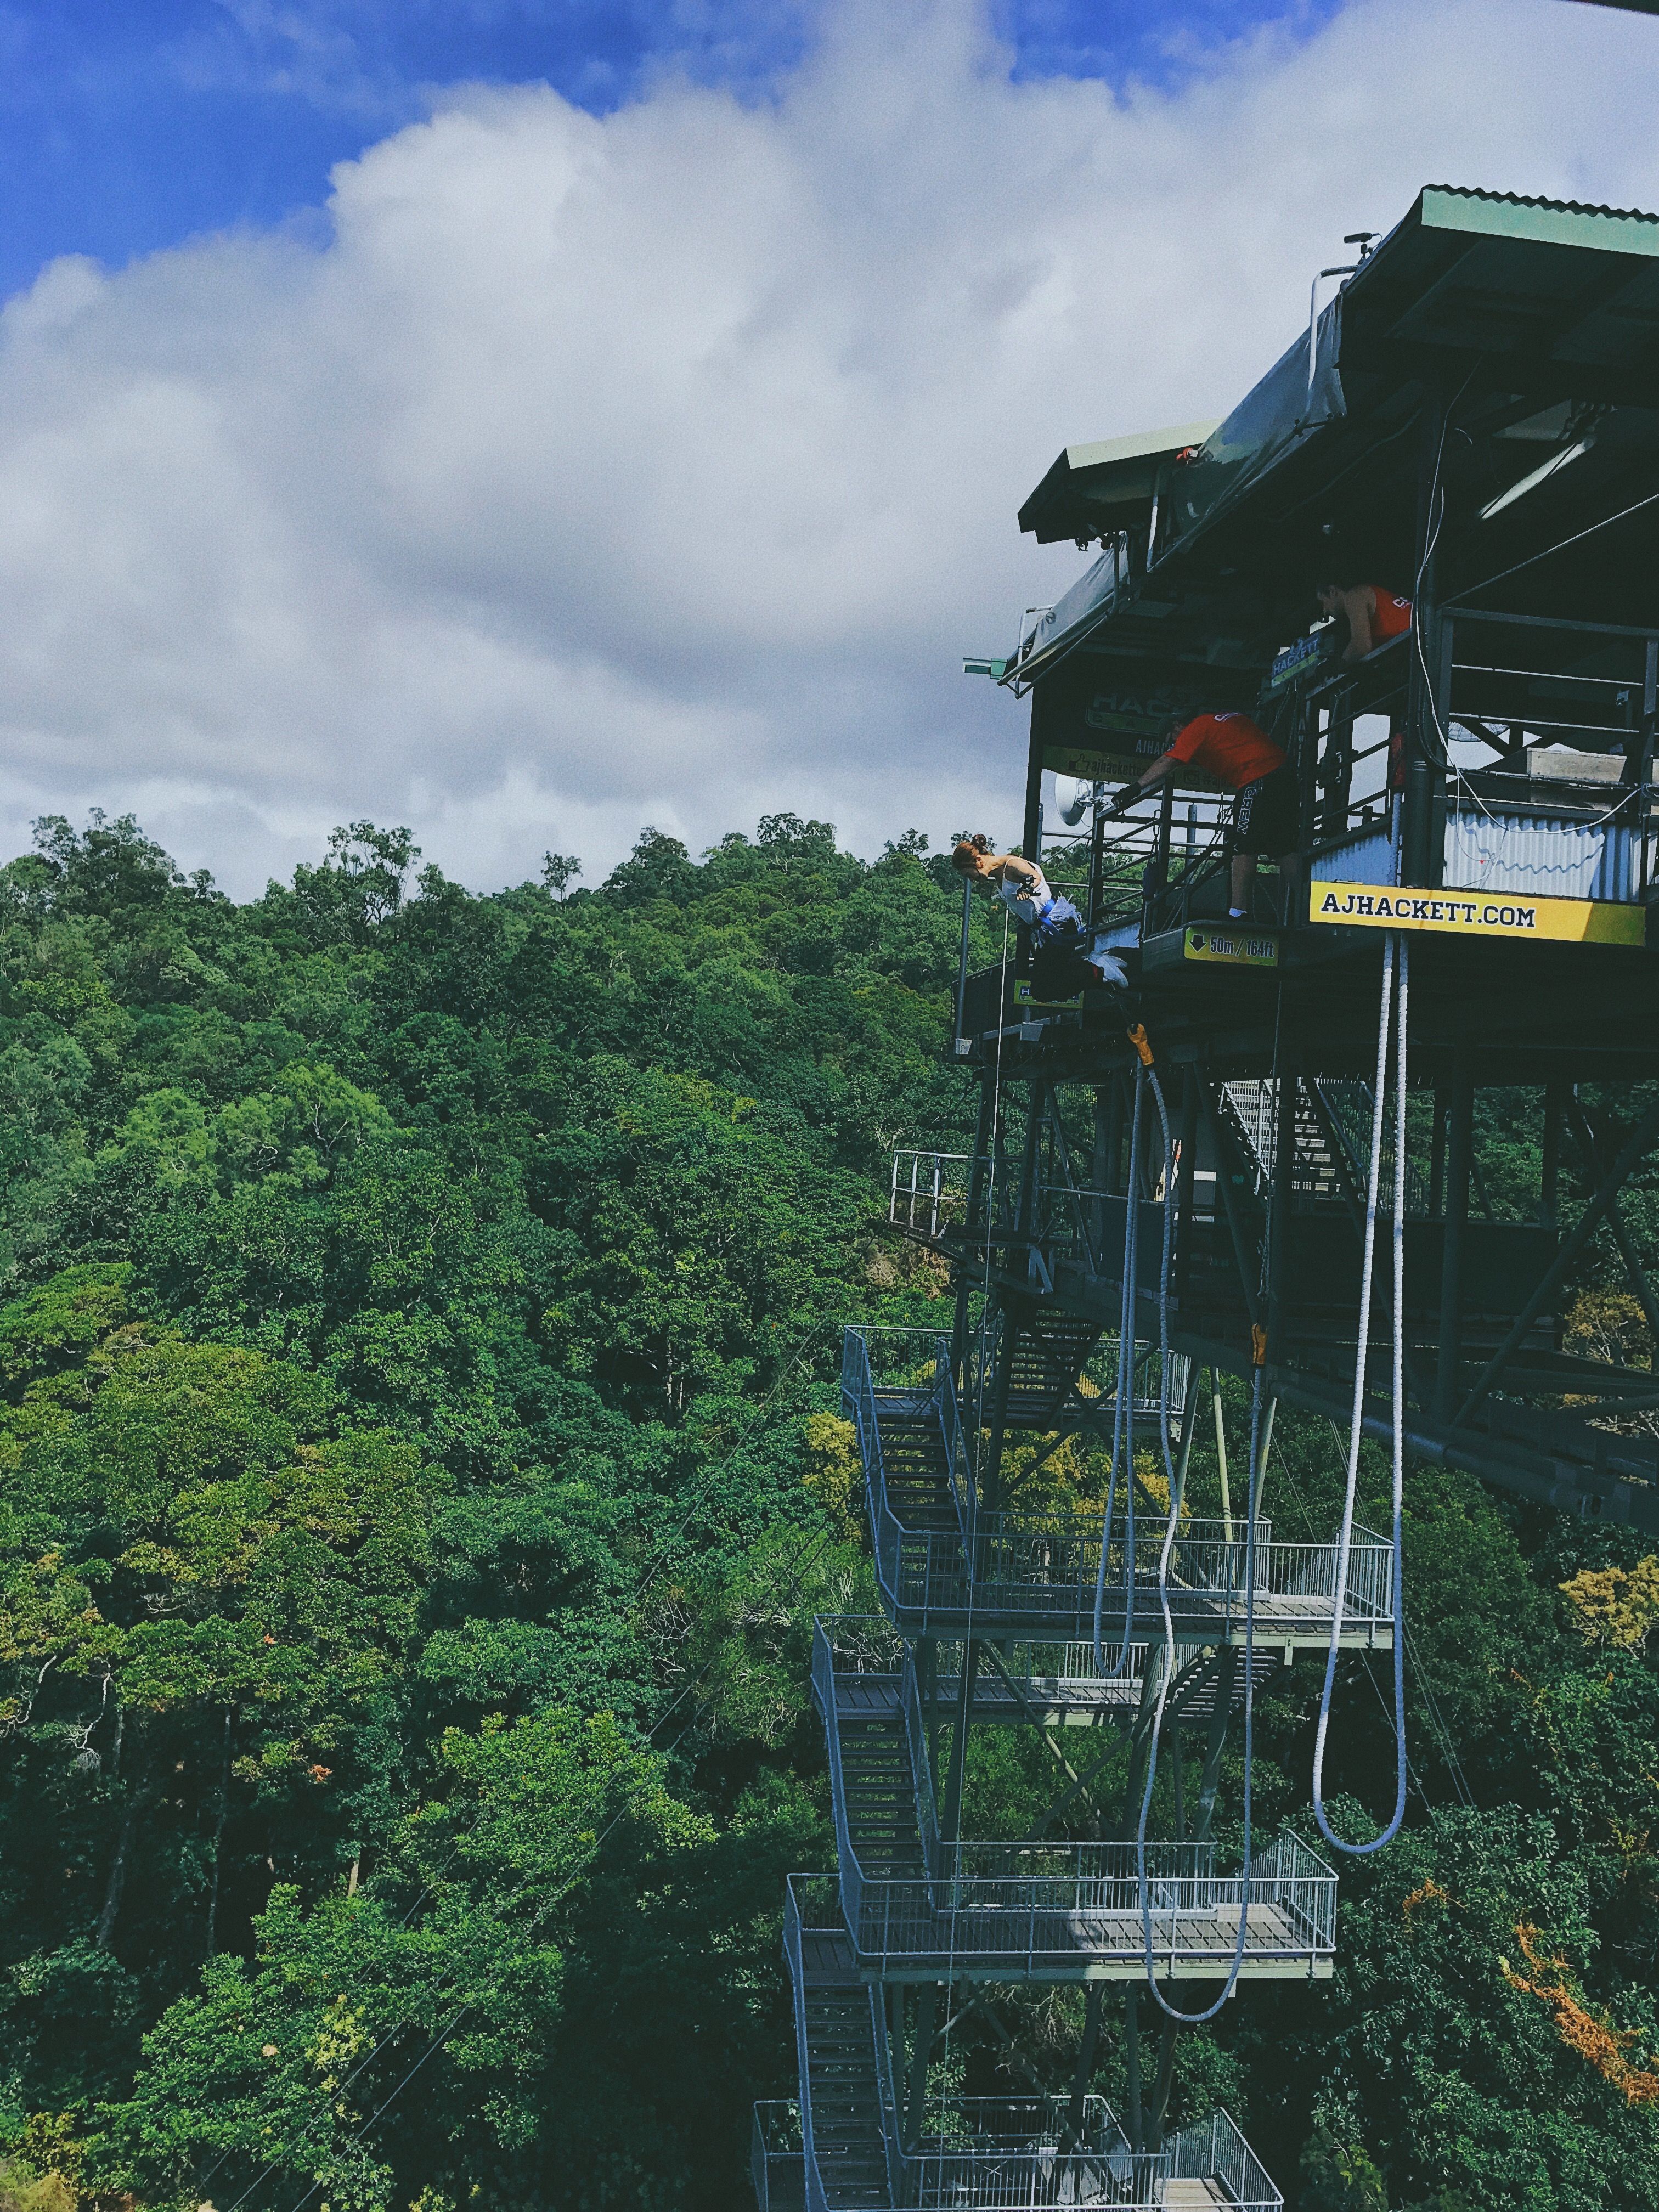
1193, 2019
1396, 951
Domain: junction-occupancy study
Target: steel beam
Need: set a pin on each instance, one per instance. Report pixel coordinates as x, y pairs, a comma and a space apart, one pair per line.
1635, 1147
1637, 1274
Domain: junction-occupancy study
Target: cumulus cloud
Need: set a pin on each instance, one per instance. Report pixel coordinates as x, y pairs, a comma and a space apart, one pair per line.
661, 466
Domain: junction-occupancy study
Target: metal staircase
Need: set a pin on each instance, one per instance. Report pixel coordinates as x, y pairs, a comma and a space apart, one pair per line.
954, 1570
1199, 1688
916, 1470
1029, 1909
842, 2078
878, 1786
910, 1907
1333, 1118
1049, 1354
1002, 2154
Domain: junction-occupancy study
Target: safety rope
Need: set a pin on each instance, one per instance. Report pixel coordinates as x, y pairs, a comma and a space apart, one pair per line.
959, 1752
1395, 958
1123, 1411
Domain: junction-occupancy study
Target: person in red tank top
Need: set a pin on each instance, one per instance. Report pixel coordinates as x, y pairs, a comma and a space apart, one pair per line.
1232, 750
1373, 614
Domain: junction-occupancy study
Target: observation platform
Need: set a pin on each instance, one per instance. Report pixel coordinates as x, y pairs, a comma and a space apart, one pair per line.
1468, 425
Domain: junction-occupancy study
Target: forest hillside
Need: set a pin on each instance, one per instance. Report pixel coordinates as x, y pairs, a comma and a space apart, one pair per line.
421, 1463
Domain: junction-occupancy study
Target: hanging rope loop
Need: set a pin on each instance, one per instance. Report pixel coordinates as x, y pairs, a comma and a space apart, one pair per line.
1258, 1336
1395, 962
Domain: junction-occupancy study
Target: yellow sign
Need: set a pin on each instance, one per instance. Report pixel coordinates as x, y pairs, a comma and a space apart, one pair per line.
1465, 913
1239, 948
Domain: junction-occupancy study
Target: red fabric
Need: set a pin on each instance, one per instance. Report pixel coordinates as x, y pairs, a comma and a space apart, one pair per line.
1229, 747
1393, 617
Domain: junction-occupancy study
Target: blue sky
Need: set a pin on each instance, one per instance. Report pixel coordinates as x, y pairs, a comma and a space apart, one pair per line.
602, 448
130, 125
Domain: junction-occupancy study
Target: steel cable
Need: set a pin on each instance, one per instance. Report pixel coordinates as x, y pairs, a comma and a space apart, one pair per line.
1123, 1411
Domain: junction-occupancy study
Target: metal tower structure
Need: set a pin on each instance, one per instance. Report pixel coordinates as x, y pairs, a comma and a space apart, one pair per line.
1468, 420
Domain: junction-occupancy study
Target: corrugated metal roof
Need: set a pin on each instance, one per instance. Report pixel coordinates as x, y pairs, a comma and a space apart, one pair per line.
1140, 445
1536, 221
1536, 200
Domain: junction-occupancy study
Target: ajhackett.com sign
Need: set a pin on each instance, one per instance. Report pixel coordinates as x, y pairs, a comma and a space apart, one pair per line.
1574, 921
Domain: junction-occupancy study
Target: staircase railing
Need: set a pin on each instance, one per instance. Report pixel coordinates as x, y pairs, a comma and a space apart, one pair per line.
1028, 1908
777, 2158
815, 2201
1348, 1105
908, 1561
958, 1457
847, 1857
921, 1762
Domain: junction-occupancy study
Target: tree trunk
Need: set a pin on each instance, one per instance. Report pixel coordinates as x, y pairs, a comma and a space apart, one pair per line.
138, 1798
219, 1837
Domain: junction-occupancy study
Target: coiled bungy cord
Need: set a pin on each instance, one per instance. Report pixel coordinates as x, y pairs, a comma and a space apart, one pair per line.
1396, 952
1123, 1411
1172, 2012
1167, 1675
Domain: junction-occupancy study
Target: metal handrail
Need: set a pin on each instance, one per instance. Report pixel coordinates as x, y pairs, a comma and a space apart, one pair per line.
776, 2142
908, 1695
921, 1764
816, 2199
929, 1191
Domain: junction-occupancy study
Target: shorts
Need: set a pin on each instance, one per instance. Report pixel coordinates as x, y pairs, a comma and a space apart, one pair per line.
1266, 816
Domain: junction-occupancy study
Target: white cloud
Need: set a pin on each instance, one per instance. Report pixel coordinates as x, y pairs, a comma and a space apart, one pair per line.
661, 467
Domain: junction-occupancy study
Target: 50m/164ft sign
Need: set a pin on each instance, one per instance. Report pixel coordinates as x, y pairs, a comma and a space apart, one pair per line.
1462, 913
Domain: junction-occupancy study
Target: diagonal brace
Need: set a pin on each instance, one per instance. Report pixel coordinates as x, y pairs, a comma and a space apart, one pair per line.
1635, 1146
1580, 1125
1033, 1712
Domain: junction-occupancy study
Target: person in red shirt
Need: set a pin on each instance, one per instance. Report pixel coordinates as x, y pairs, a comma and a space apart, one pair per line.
1372, 614
1243, 759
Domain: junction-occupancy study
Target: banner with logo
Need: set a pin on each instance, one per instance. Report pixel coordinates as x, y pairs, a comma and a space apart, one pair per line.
1475, 913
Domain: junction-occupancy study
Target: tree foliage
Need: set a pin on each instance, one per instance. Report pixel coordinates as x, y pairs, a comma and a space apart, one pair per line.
421, 1462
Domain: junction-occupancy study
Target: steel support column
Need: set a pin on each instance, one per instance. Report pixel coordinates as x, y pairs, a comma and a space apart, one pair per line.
1460, 1161
1093, 2005
1209, 1779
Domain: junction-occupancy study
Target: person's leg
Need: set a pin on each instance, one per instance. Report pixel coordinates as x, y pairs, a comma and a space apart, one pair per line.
1105, 962
1242, 874
1243, 878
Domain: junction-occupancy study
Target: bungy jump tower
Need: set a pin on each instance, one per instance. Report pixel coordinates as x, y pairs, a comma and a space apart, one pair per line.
1217, 1172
